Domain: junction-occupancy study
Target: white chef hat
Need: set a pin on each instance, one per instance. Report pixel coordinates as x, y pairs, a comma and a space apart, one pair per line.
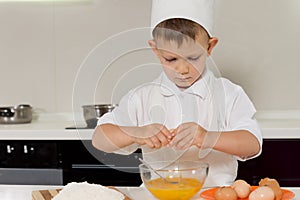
199, 11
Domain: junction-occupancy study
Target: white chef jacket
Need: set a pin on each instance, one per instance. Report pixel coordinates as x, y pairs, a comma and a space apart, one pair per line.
215, 103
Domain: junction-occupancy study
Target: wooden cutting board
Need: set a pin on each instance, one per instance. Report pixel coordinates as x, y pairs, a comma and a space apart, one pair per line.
49, 194
44, 194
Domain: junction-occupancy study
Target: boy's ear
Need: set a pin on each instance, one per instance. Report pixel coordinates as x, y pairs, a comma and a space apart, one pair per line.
153, 46
212, 42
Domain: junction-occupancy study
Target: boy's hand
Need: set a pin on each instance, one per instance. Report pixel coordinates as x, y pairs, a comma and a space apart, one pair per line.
153, 135
188, 134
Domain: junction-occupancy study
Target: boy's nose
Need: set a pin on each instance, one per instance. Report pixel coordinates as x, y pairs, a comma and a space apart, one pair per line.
182, 67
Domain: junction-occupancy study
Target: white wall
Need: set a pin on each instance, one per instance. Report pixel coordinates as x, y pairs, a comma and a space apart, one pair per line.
259, 47
43, 45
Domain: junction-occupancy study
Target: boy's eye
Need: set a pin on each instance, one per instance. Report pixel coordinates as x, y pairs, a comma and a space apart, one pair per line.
170, 59
194, 58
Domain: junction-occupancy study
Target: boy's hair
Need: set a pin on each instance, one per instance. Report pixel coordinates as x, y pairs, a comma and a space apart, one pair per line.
178, 29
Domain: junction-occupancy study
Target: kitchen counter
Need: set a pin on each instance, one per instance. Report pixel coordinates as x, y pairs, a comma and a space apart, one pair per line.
274, 125
23, 192
50, 126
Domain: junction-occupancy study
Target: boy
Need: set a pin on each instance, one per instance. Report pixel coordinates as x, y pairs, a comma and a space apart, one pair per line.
176, 116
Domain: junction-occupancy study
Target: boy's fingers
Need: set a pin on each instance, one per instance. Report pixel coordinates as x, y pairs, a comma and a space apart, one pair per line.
155, 142
173, 132
149, 143
163, 139
166, 132
180, 139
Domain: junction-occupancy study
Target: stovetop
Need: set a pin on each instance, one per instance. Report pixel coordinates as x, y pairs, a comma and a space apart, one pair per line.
78, 127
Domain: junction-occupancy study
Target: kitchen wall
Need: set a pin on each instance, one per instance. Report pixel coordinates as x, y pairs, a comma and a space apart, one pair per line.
259, 47
57, 54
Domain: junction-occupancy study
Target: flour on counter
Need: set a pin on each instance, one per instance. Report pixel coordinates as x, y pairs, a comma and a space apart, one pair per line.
84, 190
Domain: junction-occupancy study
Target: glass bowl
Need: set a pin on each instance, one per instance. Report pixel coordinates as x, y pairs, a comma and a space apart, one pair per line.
177, 180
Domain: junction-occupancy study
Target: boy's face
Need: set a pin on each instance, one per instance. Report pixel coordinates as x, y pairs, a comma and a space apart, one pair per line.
182, 64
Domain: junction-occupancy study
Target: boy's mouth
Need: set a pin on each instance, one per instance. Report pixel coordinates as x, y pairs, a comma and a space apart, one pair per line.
183, 79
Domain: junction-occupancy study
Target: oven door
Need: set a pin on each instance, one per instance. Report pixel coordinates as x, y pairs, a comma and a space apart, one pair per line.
102, 174
31, 176
82, 162
30, 162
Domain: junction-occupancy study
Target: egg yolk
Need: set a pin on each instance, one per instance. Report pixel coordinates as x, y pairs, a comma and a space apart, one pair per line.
185, 189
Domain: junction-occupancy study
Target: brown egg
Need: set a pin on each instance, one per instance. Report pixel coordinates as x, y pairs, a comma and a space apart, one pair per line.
242, 188
262, 193
225, 193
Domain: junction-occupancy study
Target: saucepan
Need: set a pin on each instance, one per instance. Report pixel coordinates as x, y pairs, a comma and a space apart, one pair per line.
92, 113
16, 115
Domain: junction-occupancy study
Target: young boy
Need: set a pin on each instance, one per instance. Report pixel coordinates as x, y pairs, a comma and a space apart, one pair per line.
176, 117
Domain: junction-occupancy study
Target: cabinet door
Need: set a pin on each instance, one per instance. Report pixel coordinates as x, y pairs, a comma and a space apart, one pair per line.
30, 162
279, 159
29, 154
82, 162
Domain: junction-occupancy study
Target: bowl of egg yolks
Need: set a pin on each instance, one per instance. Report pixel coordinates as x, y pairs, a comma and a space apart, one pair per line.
180, 180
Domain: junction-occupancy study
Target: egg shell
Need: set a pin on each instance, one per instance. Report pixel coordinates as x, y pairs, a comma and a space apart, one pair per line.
262, 193
242, 188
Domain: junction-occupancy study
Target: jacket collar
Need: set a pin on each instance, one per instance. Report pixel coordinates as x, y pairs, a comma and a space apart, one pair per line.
200, 88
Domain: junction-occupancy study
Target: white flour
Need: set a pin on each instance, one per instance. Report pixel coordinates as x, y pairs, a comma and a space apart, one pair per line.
84, 190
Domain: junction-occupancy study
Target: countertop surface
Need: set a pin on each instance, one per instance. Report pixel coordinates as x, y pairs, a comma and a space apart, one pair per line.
23, 192
53, 127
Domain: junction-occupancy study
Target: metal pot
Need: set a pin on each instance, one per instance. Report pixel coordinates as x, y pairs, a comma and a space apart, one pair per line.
92, 113
16, 115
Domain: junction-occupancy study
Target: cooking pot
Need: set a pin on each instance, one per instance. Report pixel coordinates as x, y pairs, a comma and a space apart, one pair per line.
92, 113
16, 115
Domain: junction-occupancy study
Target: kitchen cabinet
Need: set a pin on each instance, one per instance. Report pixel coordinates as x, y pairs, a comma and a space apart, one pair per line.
45, 152
30, 162
82, 162
30, 154
279, 160
51, 162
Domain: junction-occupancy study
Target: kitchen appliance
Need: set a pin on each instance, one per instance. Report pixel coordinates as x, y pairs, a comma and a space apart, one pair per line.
30, 162
83, 162
92, 113
278, 159
16, 115
58, 162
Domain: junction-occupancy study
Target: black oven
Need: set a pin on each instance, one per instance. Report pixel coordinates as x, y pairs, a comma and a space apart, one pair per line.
82, 162
30, 162
279, 159
58, 162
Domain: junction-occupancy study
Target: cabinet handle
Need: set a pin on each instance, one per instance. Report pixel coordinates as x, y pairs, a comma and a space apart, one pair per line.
91, 166
25, 149
9, 148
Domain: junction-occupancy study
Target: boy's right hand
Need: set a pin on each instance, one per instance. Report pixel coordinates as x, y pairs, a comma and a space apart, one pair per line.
153, 135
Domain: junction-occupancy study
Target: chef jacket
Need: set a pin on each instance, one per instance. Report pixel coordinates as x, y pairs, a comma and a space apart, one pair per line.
214, 103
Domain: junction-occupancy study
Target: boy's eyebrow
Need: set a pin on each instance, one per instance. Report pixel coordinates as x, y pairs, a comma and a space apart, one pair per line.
165, 53
169, 53
193, 54
175, 56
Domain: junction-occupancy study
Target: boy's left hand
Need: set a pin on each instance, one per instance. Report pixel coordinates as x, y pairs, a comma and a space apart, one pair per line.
187, 135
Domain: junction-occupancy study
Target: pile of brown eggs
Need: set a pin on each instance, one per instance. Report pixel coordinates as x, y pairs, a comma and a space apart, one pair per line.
268, 189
